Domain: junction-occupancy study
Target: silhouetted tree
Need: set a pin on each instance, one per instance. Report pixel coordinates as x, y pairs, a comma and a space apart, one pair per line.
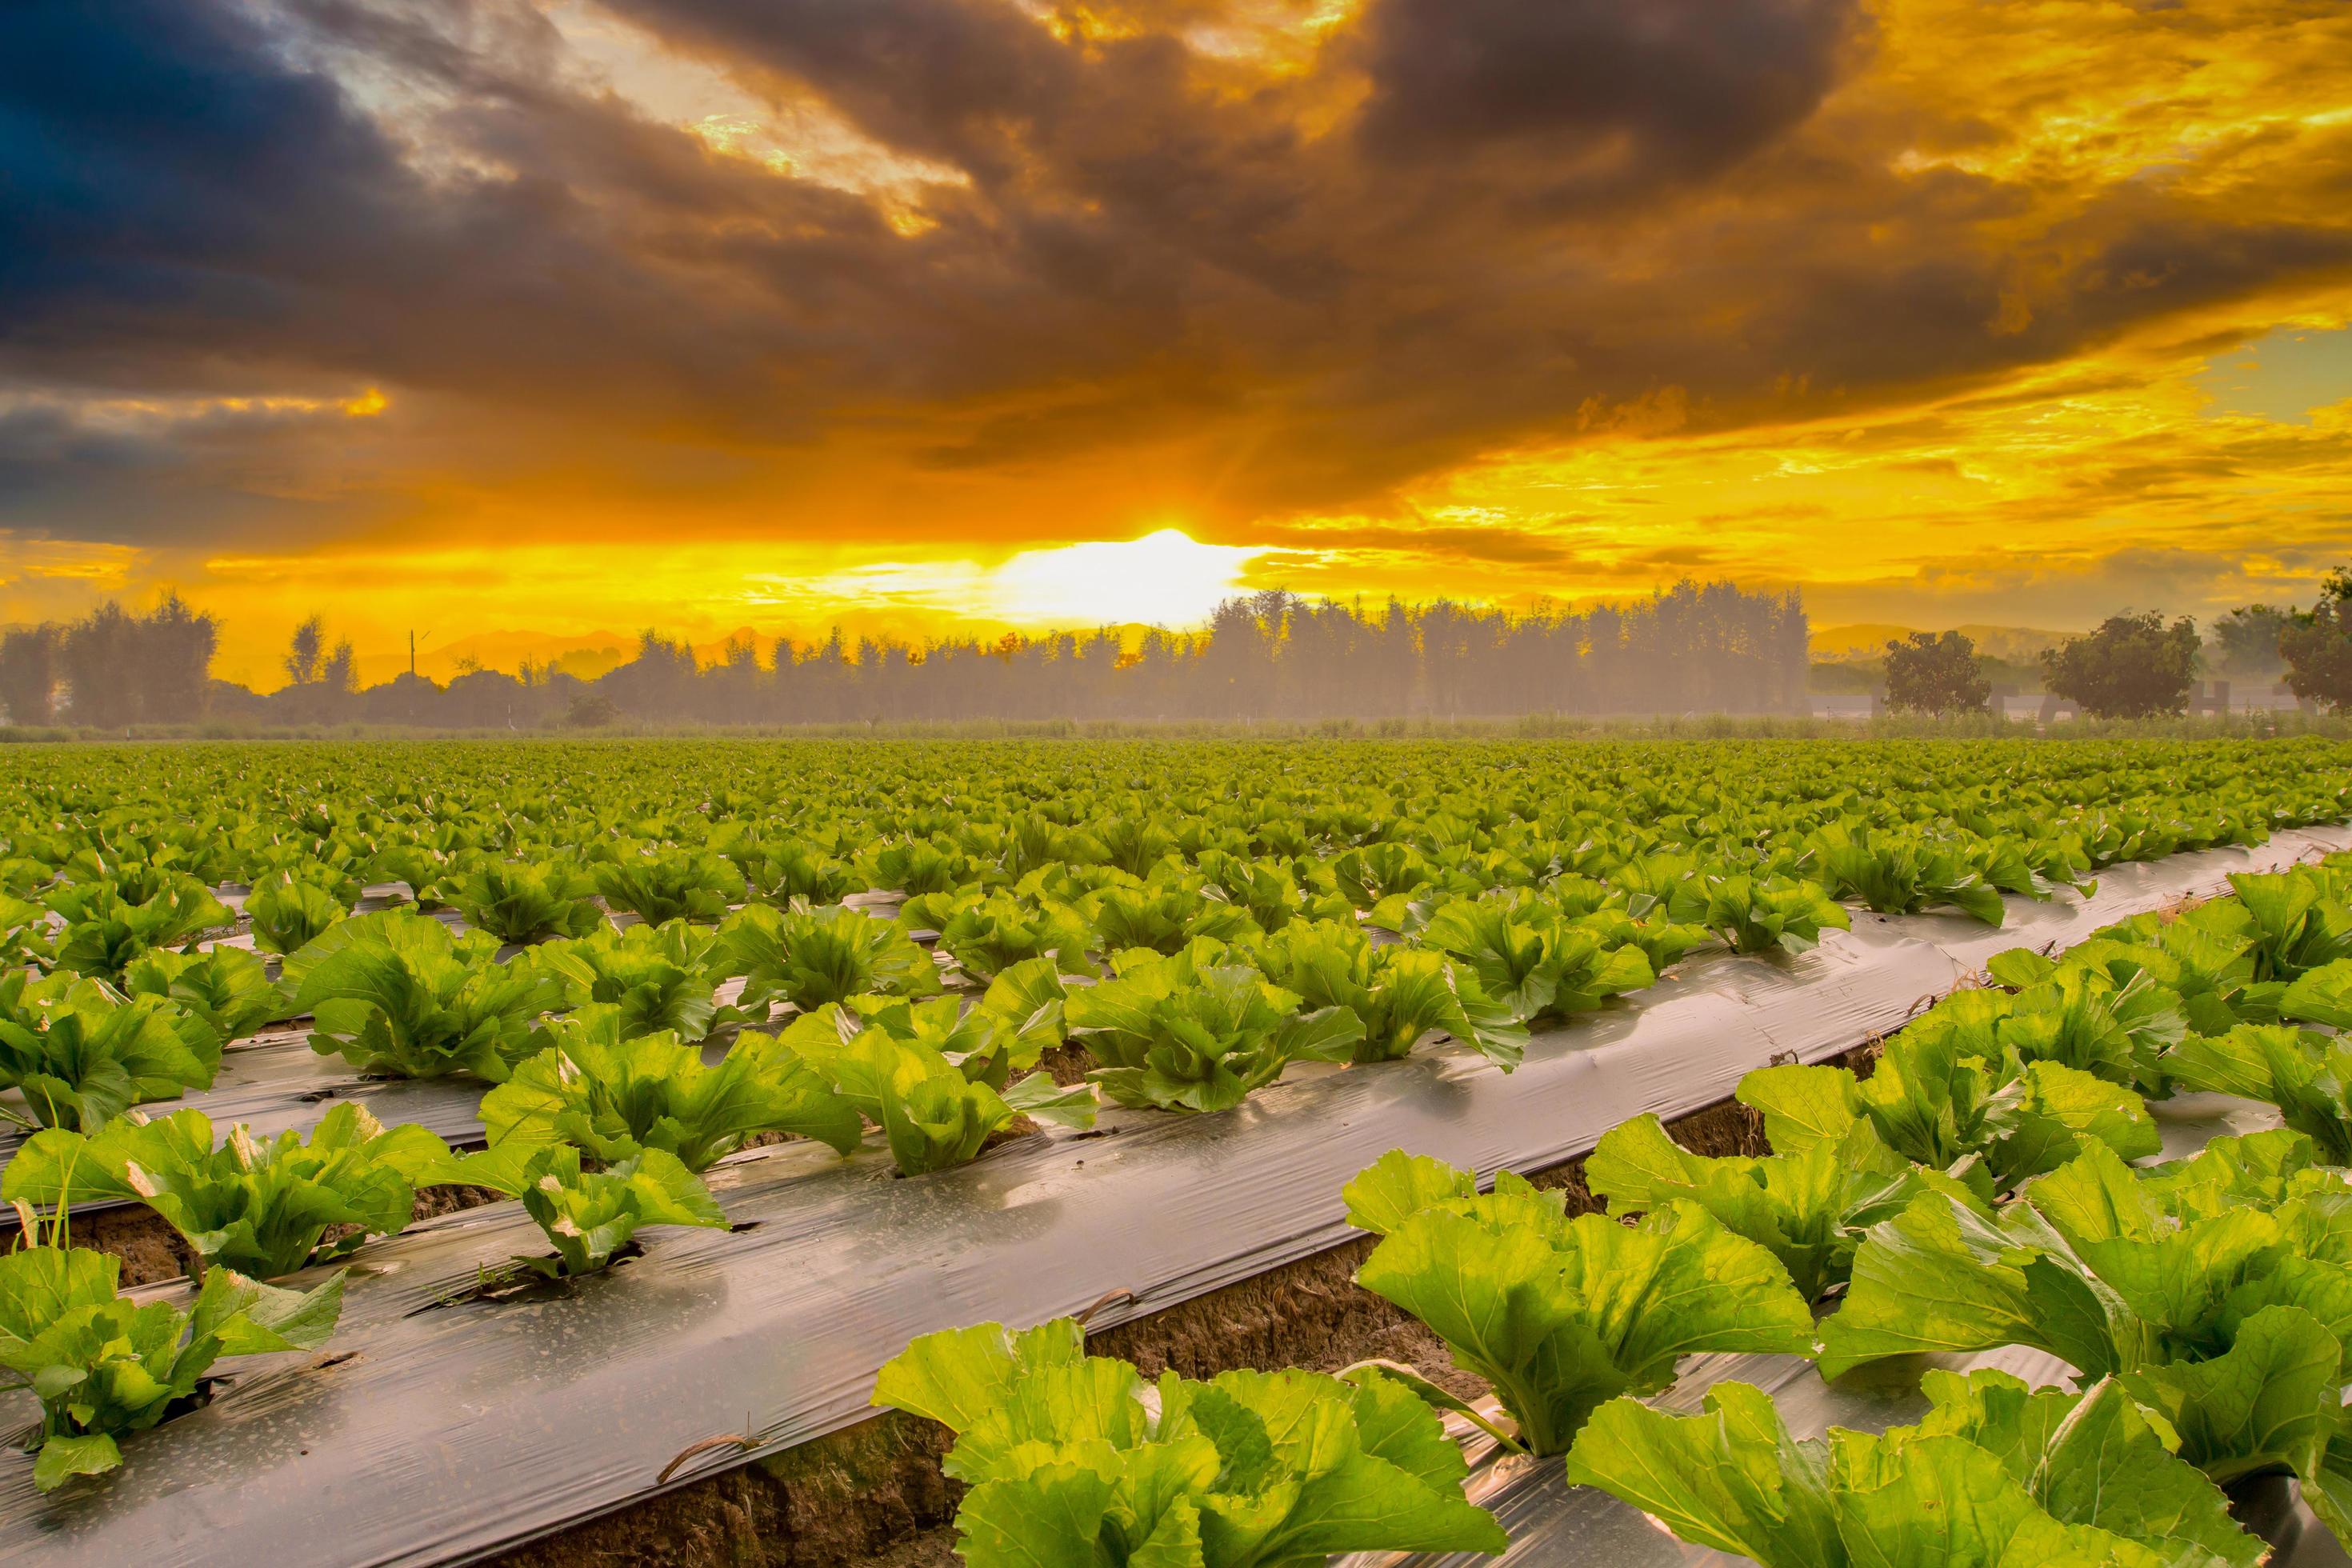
2246, 640
341, 672
592, 711
1938, 675
101, 652
28, 674
304, 654
120, 669
173, 648
2133, 666
2318, 646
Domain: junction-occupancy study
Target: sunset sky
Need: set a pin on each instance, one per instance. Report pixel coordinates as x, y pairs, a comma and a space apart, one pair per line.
559, 316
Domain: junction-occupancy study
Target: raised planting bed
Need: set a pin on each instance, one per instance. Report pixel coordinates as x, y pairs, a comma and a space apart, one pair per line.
1551, 1523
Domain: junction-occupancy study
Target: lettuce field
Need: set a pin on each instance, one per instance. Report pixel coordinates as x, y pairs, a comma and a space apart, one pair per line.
1154, 1153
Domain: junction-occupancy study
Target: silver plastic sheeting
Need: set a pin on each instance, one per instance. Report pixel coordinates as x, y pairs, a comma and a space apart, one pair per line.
2124, 891
439, 1433
1555, 1525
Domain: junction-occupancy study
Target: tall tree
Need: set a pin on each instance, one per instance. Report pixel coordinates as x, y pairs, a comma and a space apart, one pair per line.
173, 652
100, 654
1938, 675
2318, 646
2133, 666
2246, 641
306, 652
28, 674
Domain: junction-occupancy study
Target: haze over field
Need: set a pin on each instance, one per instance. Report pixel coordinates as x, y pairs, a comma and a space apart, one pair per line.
569, 319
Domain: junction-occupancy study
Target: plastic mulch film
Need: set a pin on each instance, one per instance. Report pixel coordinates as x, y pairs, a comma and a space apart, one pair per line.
1552, 1523
436, 1433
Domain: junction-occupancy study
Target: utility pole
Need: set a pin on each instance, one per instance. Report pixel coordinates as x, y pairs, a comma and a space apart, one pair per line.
411, 653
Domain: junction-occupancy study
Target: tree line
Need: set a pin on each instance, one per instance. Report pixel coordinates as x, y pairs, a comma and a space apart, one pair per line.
1695, 648
2135, 666
1274, 656
114, 667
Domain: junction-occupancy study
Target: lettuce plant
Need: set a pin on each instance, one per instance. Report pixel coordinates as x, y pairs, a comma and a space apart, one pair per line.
109, 924
25, 934
1559, 1315
288, 914
2321, 996
589, 1215
2202, 964
338, 865
396, 994
613, 1094
1184, 1034
671, 885
1808, 1208
659, 978
1997, 1476
1934, 1101
1759, 914
422, 869
1266, 891
227, 988
1073, 1459
2107, 1013
1371, 873
261, 1208
1162, 915
1658, 879
776, 871
809, 957
82, 1054
1399, 994
913, 867
105, 1366
2307, 1076
1902, 872
1539, 967
935, 1078
519, 900
1663, 942
1071, 883
2299, 920
987, 933
2217, 1292
1028, 1002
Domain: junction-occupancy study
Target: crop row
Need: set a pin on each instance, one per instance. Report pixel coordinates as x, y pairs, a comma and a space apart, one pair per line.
1979, 1190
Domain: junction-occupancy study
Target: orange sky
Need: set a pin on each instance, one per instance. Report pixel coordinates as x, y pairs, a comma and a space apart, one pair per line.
576, 317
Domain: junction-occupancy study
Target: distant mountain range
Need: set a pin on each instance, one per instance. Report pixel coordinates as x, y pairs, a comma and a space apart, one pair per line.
1865, 640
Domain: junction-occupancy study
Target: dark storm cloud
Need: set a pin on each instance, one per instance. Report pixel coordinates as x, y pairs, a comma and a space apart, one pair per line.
1619, 96
1463, 224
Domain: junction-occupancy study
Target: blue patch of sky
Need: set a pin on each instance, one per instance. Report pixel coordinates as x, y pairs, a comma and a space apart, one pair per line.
2284, 374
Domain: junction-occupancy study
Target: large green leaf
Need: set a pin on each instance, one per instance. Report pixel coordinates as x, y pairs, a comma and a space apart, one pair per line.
1559, 1315
1075, 1460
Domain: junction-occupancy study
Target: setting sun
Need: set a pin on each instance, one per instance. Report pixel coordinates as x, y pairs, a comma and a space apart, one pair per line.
1165, 578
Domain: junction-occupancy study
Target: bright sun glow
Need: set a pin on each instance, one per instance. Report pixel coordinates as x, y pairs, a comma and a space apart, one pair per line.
1167, 578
